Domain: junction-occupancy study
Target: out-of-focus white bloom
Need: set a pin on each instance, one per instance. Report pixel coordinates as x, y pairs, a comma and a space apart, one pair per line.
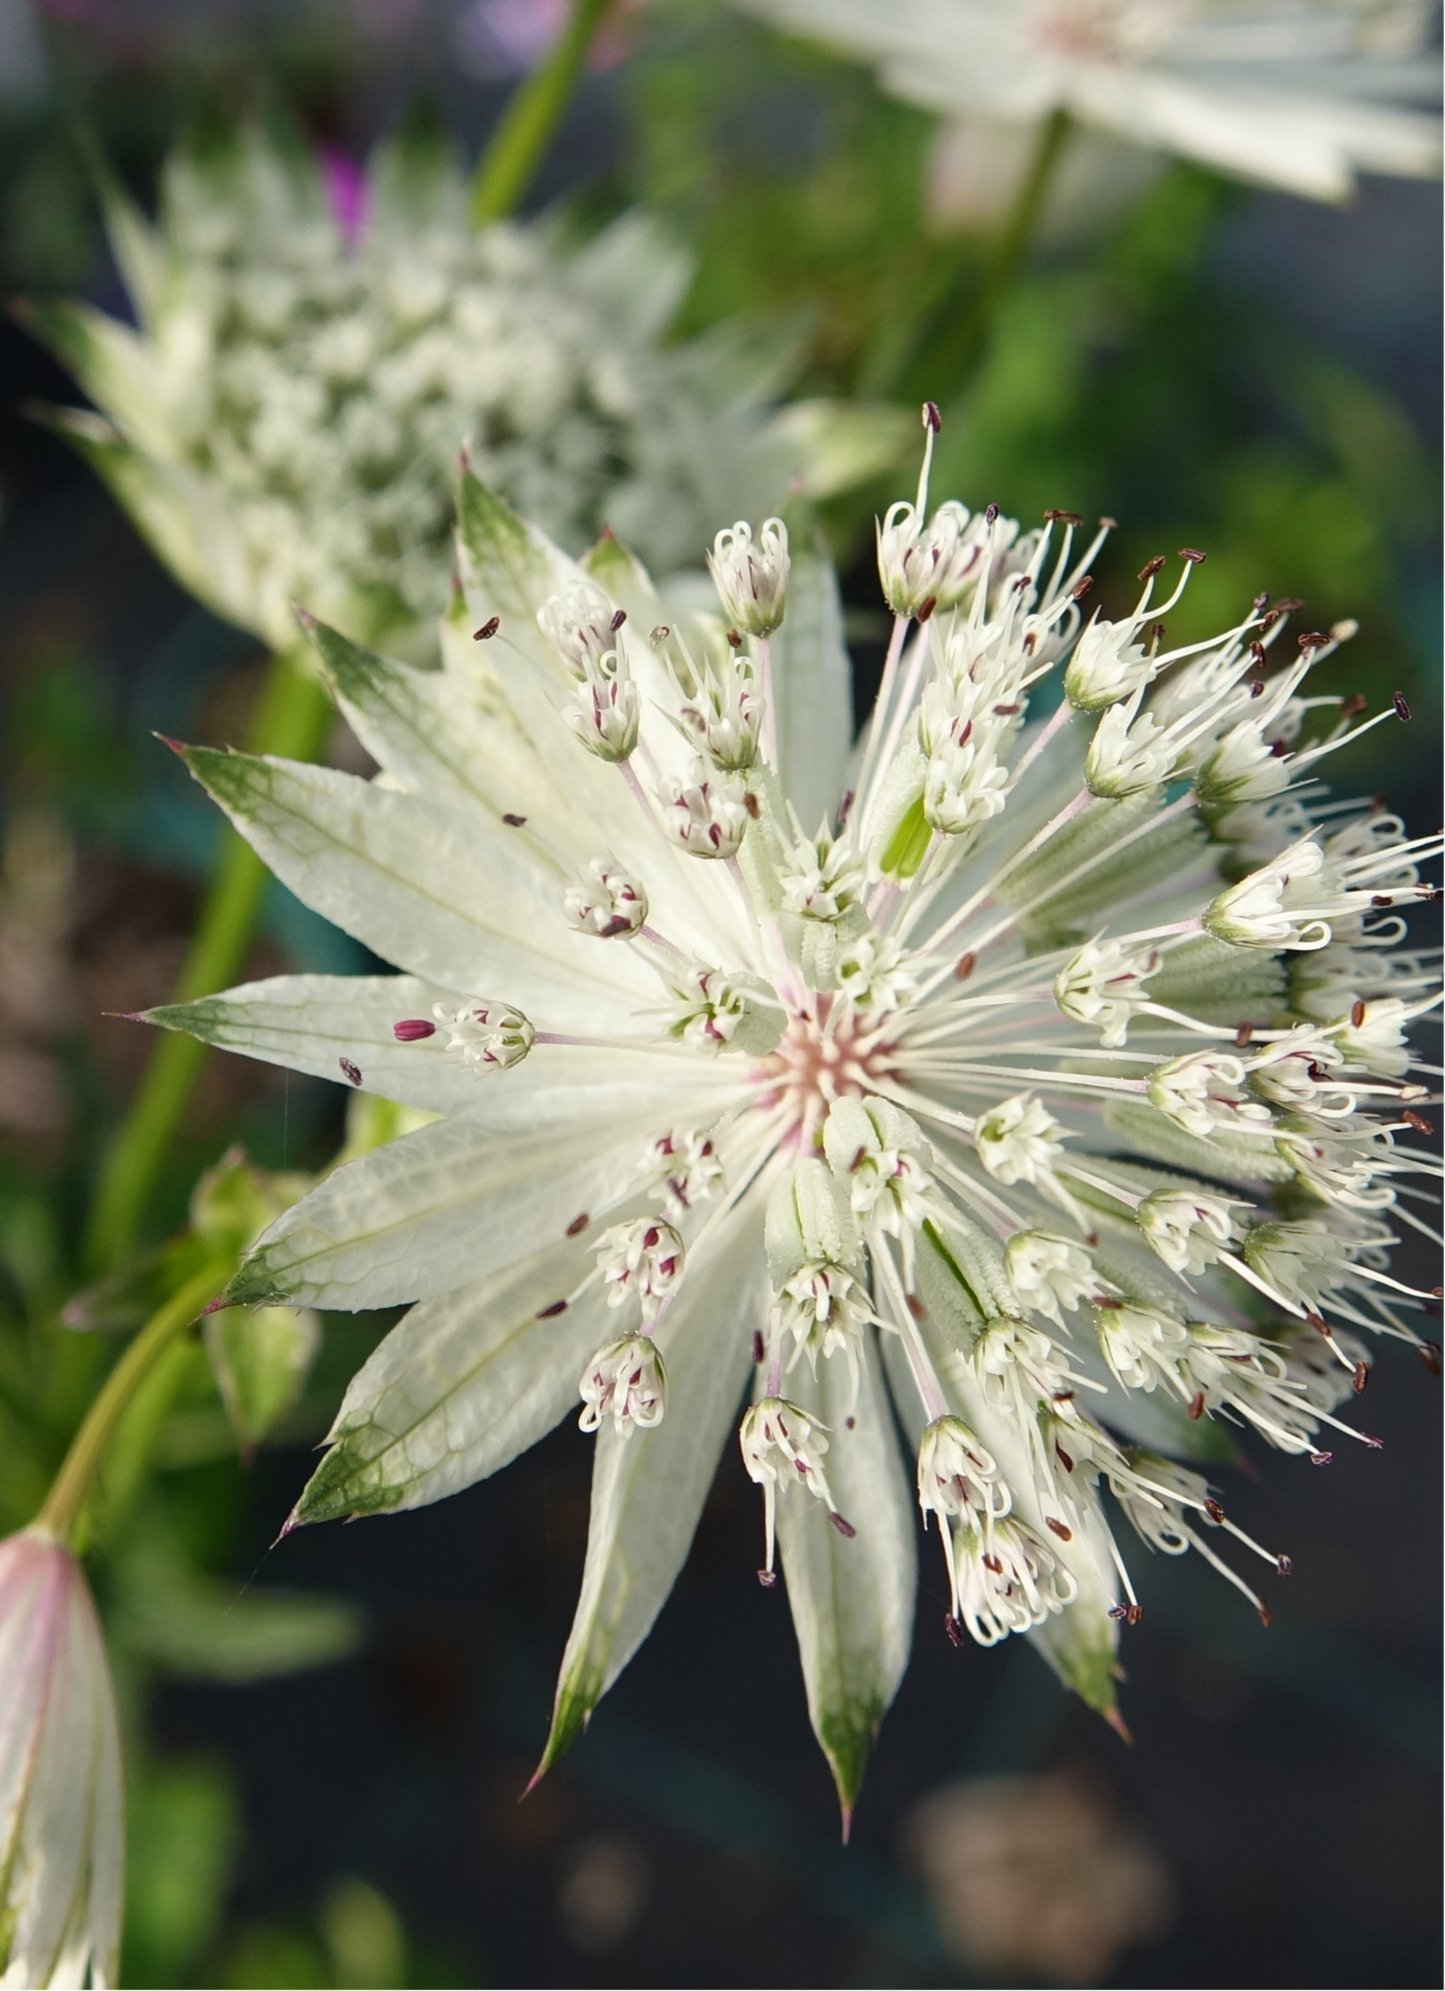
62, 1830
285, 424
840, 1102
1299, 96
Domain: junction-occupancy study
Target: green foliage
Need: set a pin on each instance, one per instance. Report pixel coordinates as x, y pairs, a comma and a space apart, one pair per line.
183, 1828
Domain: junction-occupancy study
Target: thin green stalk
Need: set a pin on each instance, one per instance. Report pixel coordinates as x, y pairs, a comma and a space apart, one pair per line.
291, 719
516, 147
1011, 244
66, 1501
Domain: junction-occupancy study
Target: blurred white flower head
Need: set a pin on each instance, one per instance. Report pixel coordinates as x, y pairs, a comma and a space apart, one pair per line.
1299, 94
62, 1846
318, 343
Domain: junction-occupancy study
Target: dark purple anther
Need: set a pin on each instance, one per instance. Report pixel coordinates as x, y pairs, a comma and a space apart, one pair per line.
412, 1029
352, 1071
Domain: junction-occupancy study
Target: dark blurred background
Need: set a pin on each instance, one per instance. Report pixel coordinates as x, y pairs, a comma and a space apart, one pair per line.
1217, 366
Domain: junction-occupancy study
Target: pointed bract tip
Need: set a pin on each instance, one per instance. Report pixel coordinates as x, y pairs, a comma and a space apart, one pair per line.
536, 1777
214, 1306
304, 616
289, 1526
176, 746
846, 1815
1120, 1727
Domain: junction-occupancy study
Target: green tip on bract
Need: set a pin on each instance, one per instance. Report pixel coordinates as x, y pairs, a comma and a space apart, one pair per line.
846, 1749
252, 1287
570, 1716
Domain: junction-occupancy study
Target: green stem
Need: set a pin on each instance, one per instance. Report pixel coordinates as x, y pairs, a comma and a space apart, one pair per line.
66, 1500
517, 145
1012, 242
291, 719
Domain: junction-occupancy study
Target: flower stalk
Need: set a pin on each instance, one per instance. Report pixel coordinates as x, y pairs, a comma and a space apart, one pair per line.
66, 1502
515, 149
1011, 244
291, 719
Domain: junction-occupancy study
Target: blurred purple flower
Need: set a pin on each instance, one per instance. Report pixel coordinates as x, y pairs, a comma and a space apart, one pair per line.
347, 193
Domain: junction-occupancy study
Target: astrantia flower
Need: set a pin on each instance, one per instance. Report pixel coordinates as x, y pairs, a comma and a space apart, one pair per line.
62, 1843
996, 1102
1300, 95
284, 425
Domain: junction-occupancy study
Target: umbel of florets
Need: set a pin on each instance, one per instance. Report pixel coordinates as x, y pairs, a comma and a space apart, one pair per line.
285, 417
1032, 1092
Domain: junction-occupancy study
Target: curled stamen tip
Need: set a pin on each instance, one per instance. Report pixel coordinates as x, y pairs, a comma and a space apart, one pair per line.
1430, 1356
767, 1577
953, 1629
1401, 705
931, 417
1120, 1727
1360, 1377
1193, 555
1321, 1458
845, 1528
1283, 1564
1265, 1616
1375, 1444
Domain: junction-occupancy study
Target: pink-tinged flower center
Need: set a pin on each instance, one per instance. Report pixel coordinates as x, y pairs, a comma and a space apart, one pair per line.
1102, 30
827, 1052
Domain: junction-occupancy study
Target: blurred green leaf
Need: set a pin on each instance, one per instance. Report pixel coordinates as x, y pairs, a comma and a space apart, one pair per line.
183, 1827
207, 1628
260, 1360
364, 1935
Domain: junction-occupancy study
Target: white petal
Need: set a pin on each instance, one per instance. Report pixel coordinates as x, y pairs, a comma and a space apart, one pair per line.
460, 1387
852, 1601
419, 887
813, 691
425, 1214
448, 734
648, 1490
309, 1023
